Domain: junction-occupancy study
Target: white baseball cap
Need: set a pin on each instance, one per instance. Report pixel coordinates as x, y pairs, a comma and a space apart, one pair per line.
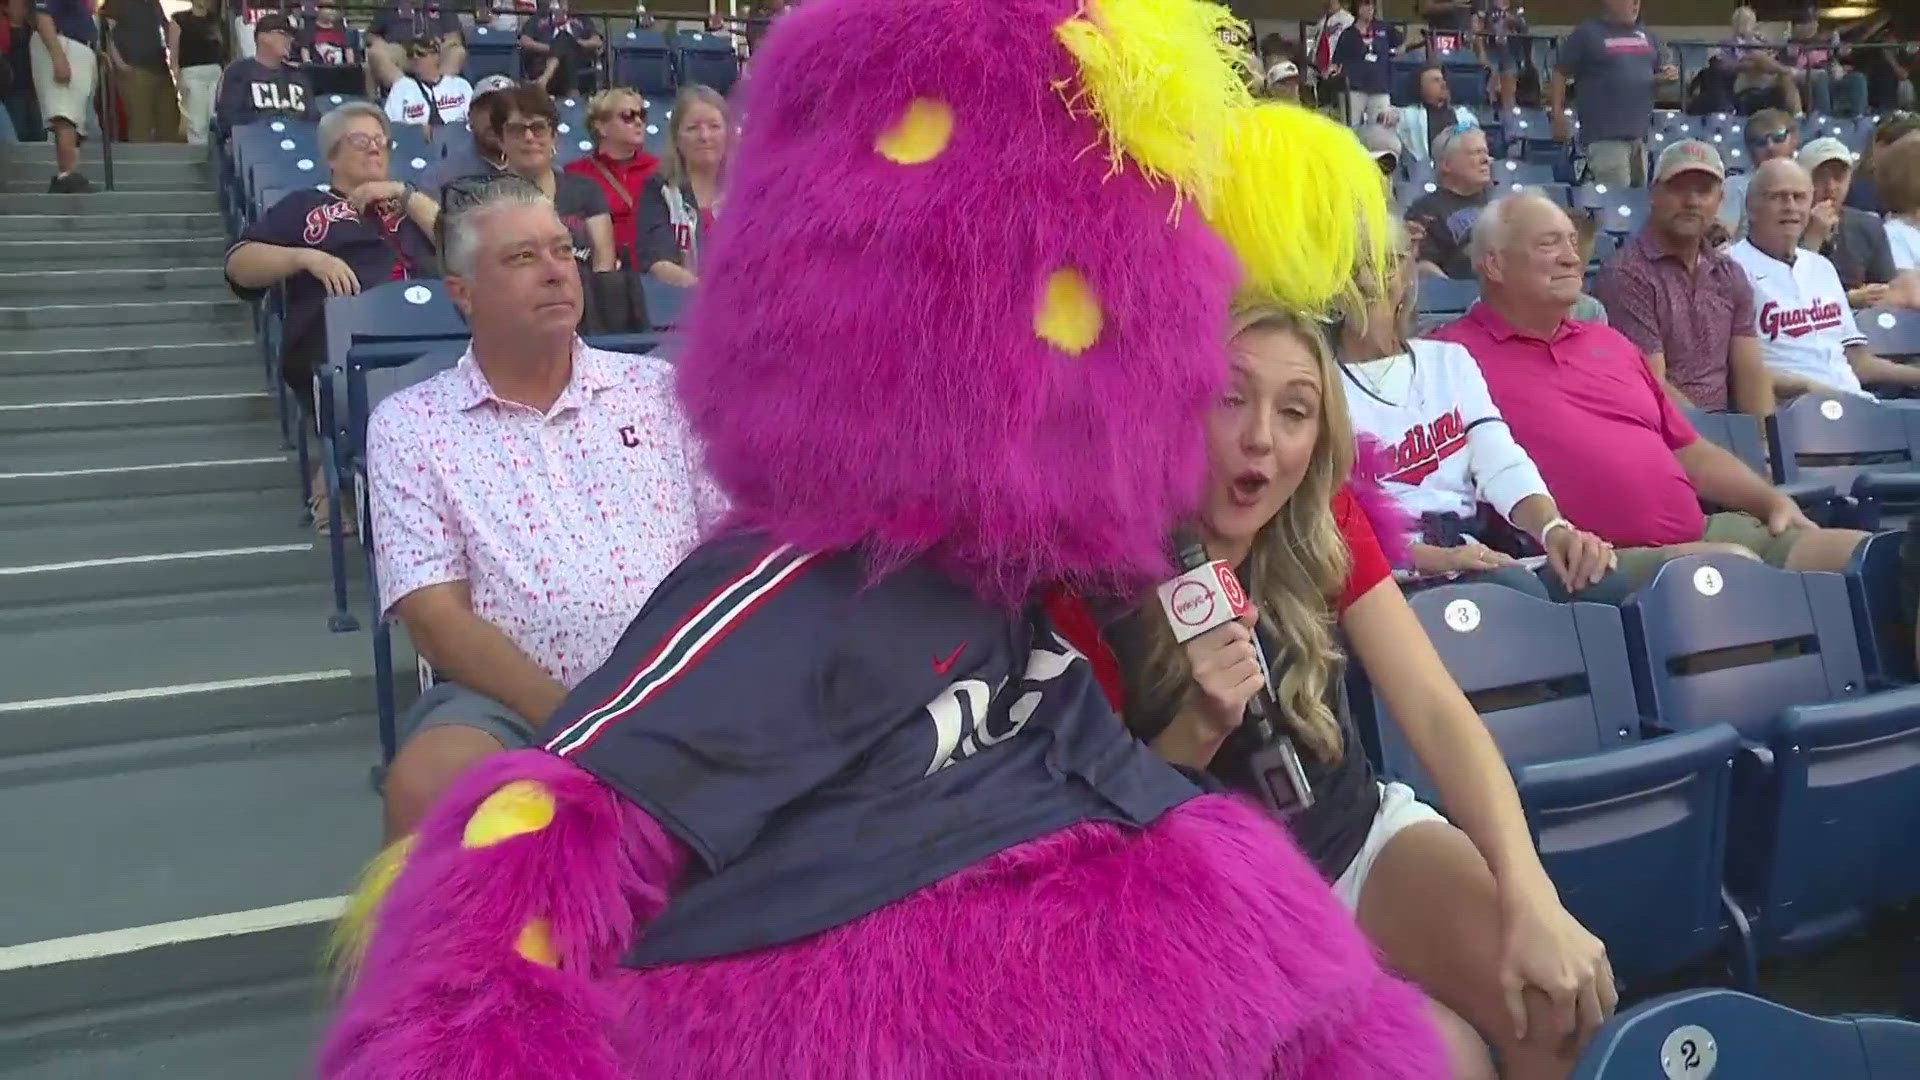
1820, 151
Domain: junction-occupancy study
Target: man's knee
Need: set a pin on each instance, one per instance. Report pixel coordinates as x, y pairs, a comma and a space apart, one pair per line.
429, 762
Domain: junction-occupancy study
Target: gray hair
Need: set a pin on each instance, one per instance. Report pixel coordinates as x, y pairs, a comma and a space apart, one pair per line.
1767, 174
1495, 224
457, 230
333, 126
1449, 138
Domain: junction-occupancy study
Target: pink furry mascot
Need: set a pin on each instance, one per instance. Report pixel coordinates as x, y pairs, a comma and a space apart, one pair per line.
843, 803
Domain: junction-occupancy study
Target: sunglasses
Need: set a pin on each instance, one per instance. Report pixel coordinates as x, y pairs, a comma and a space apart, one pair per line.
1775, 138
361, 141
631, 116
540, 128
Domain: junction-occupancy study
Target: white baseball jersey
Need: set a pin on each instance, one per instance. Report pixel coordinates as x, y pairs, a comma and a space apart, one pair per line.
1802, 316
1904, 239
407, 101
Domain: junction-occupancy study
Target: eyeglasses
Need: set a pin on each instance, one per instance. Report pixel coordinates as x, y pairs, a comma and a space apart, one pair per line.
539, 128
1775, 138
361, 141
631, 116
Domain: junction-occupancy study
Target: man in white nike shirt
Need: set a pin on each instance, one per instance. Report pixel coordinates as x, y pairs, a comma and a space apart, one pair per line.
1806, 329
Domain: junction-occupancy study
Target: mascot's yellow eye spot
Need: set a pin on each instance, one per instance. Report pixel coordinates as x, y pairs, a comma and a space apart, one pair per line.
535, 943
1069, 316
919, 135
517, 809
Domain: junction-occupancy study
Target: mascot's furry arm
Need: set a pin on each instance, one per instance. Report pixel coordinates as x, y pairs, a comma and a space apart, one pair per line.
1391, 525
520, 892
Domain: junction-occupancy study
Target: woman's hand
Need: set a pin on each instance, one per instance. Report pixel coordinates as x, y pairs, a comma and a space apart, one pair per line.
374, 191
1548, 950
1226, 674
1432, 561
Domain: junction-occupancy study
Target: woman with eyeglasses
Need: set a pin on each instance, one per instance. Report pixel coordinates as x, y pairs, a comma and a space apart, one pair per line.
686, 197
362, 229
526, 119
619, 165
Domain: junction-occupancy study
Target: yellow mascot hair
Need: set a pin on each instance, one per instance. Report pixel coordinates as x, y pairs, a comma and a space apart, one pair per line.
356, 925
1303, 206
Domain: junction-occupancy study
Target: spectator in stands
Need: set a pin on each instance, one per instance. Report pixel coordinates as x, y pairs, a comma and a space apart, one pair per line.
1684, 304
399, 25
1827, 85
1900, 194
1282, 81
1760, 79
689, 191
1617, 63
1613, 448
526, 119
1434, 113
332, 54
1806, 327
526, 501
624, 171
264, 85
360, 231
63, 76
1586, 232
16, 84
1853, 240
1865, 192
1770, 135
425, 97
1445, 216
1500, 54
481, 157
197, 48
1383, 146
137, 50
1329, 88
1427, 405
559, 49
1364, 58
1463, 911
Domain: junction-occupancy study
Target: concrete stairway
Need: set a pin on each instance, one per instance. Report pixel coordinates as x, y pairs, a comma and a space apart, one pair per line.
184, 747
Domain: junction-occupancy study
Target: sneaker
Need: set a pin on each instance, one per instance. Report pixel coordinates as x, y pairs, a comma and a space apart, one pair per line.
70, 184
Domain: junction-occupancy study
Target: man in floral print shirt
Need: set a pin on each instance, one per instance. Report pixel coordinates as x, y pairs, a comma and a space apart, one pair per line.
525, 502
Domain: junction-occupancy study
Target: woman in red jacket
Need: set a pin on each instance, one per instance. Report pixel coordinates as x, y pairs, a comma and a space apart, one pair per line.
619, 163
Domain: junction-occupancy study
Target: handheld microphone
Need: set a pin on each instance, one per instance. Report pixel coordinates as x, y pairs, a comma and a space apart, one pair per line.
1208, 594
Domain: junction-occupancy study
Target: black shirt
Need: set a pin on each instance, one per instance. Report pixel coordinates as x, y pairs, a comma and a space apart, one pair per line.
139, 32
1448, 220
577, 199
826, 743
1345, 795
202, 40
402, 24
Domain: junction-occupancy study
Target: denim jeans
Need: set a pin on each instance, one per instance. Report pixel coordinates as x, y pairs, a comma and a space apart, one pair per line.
1845, 96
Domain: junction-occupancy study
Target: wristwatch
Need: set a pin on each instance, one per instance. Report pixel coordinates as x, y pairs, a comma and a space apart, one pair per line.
1547, 529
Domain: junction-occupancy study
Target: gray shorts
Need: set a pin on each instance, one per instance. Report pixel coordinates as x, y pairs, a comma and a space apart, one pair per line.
450, 703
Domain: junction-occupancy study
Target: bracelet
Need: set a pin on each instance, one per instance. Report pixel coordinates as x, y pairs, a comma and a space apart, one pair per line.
1547, 529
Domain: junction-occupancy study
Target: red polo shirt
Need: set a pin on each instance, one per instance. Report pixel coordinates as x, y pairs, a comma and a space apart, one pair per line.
631, 175
1587, 411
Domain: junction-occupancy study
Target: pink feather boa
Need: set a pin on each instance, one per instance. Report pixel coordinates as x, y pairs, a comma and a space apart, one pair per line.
1392, 526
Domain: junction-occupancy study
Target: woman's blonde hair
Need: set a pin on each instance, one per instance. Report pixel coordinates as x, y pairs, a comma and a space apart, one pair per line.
607, 102
673, 167
1294, 572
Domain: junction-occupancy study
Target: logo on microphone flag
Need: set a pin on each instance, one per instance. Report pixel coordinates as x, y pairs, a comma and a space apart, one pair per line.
1202, 598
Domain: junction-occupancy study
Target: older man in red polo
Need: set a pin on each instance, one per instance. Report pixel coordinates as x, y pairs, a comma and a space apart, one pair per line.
1618, 455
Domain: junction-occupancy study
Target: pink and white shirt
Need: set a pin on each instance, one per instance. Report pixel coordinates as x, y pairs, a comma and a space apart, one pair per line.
561, 525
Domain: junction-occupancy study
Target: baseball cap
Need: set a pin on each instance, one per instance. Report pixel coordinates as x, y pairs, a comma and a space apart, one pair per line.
1688, 155
271, 23
1380, 142
1282, 71
491, 83
1820, 151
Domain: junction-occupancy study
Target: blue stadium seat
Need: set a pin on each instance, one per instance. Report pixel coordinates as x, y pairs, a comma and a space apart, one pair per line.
1866, 449
1632, 832
491, 51
1743, 437
1891, 332
642, 61
1526, 174
1873, 590
706, 60
1728, 640
666, 304
1442, 300
1695, 1034
452, 139
1620, 211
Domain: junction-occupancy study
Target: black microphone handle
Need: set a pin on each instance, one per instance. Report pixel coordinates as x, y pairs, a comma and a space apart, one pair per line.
1189, 551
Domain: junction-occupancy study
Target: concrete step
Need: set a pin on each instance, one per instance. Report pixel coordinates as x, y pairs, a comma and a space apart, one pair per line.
236, 374
223, 564
64, 466
164, 175
204, 249
93, 226
19, 184
237, 359
108, 416
124, 337
41, 153
247, 1031
120, 671
198, 200
228, 313
42, 285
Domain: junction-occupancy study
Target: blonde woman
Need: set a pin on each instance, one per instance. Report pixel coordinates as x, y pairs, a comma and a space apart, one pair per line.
1465, 911
688, 195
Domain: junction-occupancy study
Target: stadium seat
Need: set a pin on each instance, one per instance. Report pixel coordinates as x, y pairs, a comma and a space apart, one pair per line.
1442, 300
492, 51
641, 60
1727, 640
1891, 332
1874, 592
1526, 174
1696, 1034
1864, 448
1743, 437
1631, 832
706, 60
665, 303
1620, 212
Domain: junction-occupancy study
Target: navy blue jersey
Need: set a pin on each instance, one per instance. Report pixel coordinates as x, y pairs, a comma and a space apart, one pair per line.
826, 746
